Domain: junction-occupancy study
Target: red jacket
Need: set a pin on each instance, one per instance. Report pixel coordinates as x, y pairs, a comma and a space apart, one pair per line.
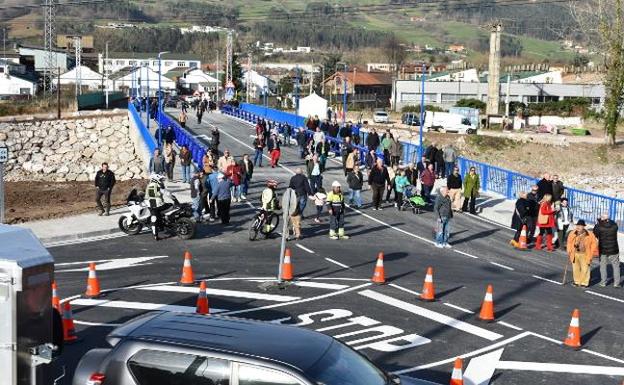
547, 209
427, 178
234, 172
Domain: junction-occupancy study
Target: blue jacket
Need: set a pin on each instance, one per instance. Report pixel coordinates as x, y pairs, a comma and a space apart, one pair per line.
212, 182
222, 191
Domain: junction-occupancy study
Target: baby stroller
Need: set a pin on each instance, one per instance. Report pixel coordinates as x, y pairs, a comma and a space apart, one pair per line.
412, 201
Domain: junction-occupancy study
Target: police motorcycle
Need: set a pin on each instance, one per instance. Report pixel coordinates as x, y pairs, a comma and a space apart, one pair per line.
175, 218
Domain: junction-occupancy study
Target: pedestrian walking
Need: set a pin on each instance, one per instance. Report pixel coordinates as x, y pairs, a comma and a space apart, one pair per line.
558, 190
355, 181
273, 146
157, 163
352, 160
216, 139
371, 159
544, 186
564, 220
315, 173
287, 130
396, 150
450, 157
522, 211
200, 114
443, 213
320, 198
104, 183
392, 173
431, 151
545, 223
472, 184
427, 180
169, 135
378, 179
211, 183
336, 205
400, 183
170, 157
234, 173
386, 143
322, 150
454, 184
302, 142
300, 185
223, 198
197, 188
533, 213
185, 164
372, 140
247, 168
346, 149
318, 136
606, 231
440, 165
582, 246
224, 161
182, 118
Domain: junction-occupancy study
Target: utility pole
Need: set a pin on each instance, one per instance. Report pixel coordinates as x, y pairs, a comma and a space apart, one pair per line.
78, 55
297, 92
58, 94
422, 112
217, 75
248, 82
494, 70
49, 35
353, 99
344, 97
507, 96
106, 75
228, 53
312, 78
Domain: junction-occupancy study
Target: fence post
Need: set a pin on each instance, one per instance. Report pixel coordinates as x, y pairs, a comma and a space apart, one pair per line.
510, 179
484, 180
612, 210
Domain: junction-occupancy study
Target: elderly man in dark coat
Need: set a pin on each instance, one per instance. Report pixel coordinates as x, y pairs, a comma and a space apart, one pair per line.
520, 217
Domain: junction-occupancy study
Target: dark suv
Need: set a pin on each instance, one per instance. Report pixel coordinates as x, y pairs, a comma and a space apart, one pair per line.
188, 349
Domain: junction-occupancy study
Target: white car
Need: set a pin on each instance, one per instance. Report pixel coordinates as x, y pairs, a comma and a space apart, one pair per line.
380, 117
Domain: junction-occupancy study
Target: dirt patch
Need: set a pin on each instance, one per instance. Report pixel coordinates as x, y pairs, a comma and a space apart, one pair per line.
30, 201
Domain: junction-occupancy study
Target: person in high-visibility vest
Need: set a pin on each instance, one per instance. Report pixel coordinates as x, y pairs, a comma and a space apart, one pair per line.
154, 193
335, 202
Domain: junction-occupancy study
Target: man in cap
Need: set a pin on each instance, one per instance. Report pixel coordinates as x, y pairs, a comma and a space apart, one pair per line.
582, 246
223, 198
335, 201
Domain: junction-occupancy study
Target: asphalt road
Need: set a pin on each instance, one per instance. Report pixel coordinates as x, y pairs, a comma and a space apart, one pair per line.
334, 294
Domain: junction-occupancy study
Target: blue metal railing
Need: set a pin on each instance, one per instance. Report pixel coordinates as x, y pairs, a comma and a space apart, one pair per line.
145, 134
184, 138
585, 205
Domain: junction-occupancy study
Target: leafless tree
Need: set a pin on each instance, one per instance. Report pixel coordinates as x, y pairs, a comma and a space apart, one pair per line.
602, 23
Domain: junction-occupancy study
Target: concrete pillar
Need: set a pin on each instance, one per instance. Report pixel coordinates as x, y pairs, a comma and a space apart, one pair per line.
494, 71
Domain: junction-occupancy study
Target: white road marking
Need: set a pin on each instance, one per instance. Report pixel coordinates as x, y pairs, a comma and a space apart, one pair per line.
393, 227
337, 263
466, 254
111, 264
458, 308
320, 285
299, 301
466, 355
560, 368
502, 266
138, 305
304, 248
514, 327
604, 296
417, 294
223, 293
96, 324
546, 338
603, 356
481, 369
432, 315
547, 280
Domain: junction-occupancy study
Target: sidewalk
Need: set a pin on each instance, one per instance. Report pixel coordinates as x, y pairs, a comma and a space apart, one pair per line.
91, 225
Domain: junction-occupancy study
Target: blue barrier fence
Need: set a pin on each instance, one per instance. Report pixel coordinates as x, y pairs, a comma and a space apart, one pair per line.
146, 136
585, 205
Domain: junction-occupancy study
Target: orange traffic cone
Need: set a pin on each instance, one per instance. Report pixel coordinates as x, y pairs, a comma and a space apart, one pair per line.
487, 308
187, 279
573, 339
457, 377
379, 275
93, 283
56, 301
522, 244
202, 300
69, 332
428, 293
287, 269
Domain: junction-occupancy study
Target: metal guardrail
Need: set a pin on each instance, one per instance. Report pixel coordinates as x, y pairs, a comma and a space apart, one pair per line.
146, 136
585, 205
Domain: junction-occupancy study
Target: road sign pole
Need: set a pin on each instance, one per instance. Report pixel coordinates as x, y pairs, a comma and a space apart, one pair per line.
288, 208
4, 157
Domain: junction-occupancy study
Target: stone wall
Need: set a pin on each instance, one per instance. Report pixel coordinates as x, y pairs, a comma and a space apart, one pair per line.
71, 149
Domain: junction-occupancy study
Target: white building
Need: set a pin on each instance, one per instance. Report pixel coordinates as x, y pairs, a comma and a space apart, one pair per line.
40, 56
202, 29
258, 83
85, 76
143, 80
384, 67
469, 75
169, 61
195, 79
14, 84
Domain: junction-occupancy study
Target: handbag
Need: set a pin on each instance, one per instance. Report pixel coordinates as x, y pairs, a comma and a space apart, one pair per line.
542, 219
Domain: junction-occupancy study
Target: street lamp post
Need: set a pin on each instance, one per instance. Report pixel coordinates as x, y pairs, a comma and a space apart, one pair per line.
266, 103
147, 99
422, 113
159, 108
344, 93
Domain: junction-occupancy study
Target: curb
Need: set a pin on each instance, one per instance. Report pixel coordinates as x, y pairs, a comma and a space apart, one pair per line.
79, 236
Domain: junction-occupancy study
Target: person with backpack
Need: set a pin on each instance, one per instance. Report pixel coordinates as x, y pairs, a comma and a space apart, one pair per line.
606, 231
355, 181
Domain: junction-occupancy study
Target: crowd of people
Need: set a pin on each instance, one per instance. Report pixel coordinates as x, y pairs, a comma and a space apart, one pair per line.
545, 215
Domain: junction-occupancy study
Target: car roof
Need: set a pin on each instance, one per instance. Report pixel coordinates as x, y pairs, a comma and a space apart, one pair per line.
297, 347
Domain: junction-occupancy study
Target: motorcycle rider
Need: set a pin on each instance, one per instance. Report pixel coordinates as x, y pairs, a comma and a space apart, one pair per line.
269, 201
154, 193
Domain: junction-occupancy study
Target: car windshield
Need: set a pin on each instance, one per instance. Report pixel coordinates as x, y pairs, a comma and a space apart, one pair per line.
381, 113
341, 365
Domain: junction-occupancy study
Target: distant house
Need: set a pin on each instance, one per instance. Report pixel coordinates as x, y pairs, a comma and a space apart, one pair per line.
258, 83
86, 77
369, 88
15, 84
119, 60
143, 80
37, 58
194, 79
384, 67
457, 48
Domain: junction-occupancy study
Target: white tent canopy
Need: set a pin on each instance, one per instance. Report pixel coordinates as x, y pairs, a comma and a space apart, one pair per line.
313, 105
